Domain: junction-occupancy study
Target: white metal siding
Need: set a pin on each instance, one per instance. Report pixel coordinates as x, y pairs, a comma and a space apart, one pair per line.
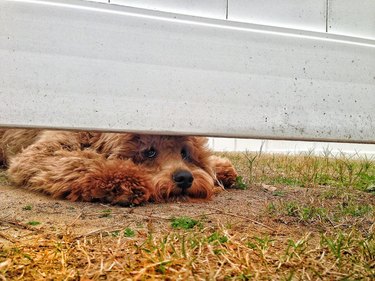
353, 18
296, 14
295, 147
202, 8
84, 65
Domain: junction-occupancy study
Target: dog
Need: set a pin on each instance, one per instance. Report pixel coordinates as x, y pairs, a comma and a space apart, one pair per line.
116, 168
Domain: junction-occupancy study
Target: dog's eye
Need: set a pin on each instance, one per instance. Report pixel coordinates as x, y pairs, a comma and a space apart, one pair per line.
150, 153
184, 154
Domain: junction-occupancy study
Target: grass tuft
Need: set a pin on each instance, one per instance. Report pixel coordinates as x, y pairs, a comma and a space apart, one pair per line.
33, 223
183, 223
128, 232
105, 213
3, 178
240, 184
27, 208
305, 170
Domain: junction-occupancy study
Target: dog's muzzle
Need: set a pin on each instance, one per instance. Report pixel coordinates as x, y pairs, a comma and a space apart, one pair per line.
183, 179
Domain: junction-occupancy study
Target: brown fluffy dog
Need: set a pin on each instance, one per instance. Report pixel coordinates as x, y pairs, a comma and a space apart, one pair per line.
114, 168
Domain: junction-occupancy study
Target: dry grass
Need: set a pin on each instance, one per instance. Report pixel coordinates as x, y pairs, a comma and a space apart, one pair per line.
306, 170
324, 230
213, 253
3, 178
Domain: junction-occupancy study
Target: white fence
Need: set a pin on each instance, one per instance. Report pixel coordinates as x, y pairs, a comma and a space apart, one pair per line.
84, 65
292, 147
345, 17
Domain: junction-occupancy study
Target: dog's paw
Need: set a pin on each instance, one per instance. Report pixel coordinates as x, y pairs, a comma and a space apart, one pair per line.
226, 174
131, 191
115, 182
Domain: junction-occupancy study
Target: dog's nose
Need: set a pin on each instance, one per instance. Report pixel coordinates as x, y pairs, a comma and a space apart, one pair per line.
183, 179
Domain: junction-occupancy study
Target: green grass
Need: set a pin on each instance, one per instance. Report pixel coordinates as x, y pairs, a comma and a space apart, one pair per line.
217, 238
128, 232
105, 213
356, 210
183, 223
33, 223
320, 210
286, 181
318, 224
279, 193
240, 184
27, 208
305, 170
3, 177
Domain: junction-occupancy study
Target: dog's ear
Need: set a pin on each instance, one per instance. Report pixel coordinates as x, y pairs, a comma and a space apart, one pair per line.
200, 153
118, 146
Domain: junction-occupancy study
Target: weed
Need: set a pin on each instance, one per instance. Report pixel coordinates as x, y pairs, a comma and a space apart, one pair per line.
304, 212
335, 244
279, 193
27, 257
217, 238
289, 276
27, 208
332, 193
291, 208
33, 223
271, 208
105, 213
356, 210
308, 213
240, 183
241, 277
183, 223
162, 268
128, 232
261, 244
218, 251
298, 247
251, 161
3, 177
287, 181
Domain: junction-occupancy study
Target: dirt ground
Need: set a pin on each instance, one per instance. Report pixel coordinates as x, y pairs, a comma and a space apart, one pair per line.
87, 217
20, 207
34, 227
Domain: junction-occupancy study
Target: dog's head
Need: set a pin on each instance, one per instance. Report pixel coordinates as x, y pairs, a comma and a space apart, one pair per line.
177, 165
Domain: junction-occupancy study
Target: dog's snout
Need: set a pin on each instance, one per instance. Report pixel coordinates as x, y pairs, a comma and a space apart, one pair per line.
183, 179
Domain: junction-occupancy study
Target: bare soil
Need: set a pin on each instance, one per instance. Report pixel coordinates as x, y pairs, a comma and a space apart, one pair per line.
84, 218
20, 208
30, 222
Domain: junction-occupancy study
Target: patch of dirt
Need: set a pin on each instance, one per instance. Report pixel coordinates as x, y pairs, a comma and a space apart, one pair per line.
25, 213
79, 239
21, 208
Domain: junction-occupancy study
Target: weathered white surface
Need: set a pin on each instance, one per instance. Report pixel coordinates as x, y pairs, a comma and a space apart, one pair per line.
85, 65
353, 18
202, 8
100, 1
297, 14
293, 147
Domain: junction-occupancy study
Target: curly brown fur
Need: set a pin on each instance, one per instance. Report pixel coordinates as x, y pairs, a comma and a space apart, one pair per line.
114, 168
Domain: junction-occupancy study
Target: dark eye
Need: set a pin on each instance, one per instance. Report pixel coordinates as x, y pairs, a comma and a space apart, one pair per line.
184, 154
150, 153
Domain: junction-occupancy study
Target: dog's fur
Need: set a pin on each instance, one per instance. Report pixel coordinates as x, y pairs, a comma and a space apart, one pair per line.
114, 168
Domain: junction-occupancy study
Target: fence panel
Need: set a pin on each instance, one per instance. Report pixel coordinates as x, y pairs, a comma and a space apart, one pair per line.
84, 65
